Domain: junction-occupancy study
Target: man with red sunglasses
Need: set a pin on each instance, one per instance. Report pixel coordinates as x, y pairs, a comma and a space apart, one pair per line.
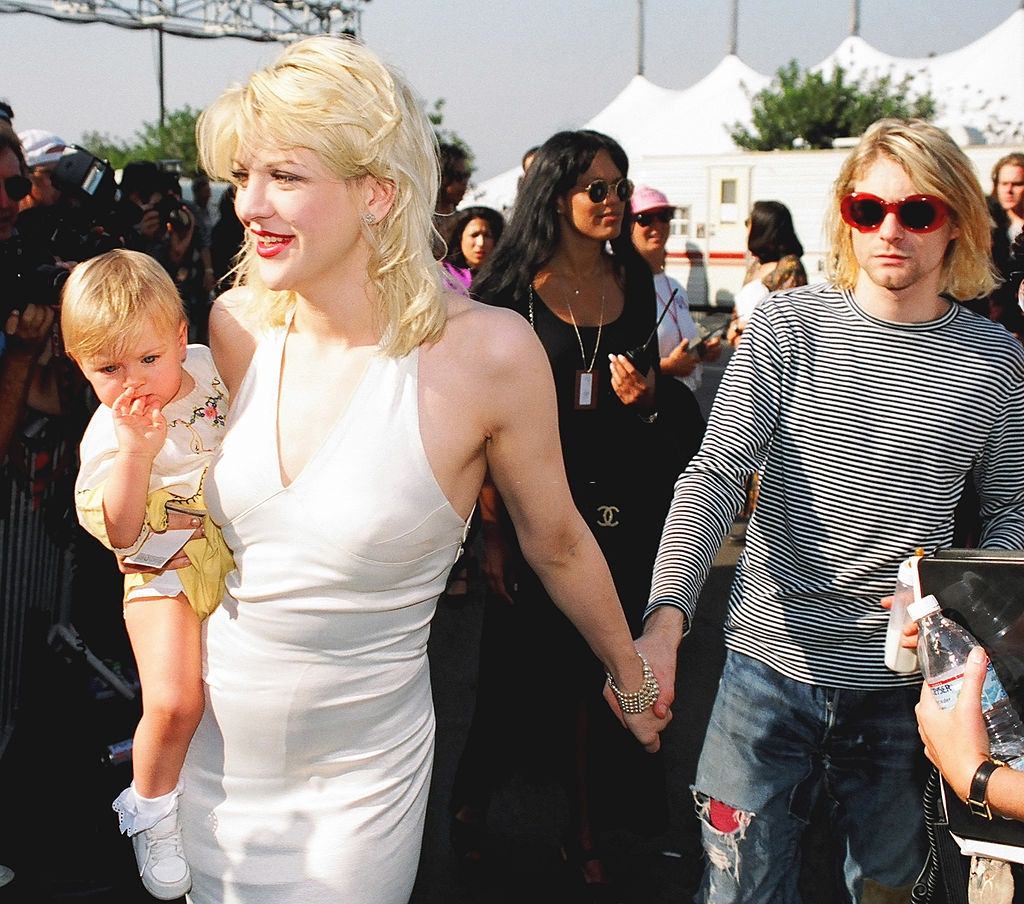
865, 402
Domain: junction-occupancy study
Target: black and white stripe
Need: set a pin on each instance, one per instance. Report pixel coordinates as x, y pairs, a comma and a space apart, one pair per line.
866, 431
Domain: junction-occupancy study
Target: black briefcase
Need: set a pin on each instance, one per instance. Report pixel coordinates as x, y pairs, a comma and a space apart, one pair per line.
983, 590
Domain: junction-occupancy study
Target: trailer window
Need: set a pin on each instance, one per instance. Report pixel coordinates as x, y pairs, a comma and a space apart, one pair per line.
680, 224
727, 201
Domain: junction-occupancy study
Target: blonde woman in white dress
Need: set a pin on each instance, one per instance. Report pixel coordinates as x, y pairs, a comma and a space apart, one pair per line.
368, 406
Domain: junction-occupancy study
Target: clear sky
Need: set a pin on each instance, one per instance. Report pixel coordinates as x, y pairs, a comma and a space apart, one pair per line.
511, 71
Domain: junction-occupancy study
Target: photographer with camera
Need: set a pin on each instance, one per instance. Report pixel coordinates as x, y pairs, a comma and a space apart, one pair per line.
43, 151
163, 227
25, 310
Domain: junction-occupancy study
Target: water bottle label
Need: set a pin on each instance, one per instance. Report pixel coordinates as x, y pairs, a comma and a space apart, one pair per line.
946, 689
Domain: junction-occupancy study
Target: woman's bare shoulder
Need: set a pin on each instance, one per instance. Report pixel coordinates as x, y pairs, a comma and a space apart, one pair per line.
497, 335
232, 334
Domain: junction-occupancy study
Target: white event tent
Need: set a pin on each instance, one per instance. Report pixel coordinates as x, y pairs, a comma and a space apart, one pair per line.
979, 90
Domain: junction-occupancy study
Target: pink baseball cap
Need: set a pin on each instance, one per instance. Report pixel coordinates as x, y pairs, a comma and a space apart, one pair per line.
646, 198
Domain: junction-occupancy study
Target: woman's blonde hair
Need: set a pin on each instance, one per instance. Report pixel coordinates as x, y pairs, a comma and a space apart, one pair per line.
332, 96
937, 167
112, 301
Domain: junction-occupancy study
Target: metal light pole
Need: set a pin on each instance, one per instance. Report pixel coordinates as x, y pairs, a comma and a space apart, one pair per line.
640, 36
160, 70
734, 27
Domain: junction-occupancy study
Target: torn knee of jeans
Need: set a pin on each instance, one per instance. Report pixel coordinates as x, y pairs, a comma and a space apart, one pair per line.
721, 817
728, 827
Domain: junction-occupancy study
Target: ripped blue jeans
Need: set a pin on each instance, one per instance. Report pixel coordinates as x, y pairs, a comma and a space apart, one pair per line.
772, 745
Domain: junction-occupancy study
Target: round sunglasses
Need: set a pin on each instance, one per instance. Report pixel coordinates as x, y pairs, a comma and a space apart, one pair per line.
648, 217
915, 213
16, 187
599, 189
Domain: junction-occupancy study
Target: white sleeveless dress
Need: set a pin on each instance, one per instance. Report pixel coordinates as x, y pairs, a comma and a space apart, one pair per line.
307, 779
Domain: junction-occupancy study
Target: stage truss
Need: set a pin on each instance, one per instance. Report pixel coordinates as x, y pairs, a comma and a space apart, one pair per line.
253, 20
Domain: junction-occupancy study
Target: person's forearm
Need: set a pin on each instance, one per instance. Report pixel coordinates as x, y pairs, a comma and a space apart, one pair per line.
1006, 792
124, 497
576, 576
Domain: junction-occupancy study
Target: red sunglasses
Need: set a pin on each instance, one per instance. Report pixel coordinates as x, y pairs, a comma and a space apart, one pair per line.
915, 213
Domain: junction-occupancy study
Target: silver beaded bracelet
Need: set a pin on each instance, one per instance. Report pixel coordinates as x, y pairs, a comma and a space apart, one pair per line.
641, 700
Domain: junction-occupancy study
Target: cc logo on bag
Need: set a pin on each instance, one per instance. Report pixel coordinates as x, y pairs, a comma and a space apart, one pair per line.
607, 515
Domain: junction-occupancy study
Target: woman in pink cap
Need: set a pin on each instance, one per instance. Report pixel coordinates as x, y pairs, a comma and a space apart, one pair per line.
678, 335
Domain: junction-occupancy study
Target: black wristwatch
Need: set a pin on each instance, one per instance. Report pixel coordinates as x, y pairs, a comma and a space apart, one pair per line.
976, 797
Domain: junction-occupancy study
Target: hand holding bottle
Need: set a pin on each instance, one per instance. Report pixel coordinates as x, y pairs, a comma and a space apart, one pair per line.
956, 740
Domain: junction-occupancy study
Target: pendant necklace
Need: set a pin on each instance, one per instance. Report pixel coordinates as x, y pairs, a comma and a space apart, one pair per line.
585, 396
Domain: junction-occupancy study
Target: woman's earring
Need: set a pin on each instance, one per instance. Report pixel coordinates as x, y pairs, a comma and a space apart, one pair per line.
369, 219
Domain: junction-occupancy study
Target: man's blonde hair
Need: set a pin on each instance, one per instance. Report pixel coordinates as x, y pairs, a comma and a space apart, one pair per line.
332, 96
937, 167
112, 301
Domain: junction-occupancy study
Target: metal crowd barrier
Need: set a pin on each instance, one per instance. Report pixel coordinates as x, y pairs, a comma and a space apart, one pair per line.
35, 582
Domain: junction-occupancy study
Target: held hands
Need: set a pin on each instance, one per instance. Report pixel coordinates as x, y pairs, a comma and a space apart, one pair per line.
629, 385
660, 644
645, 726
955, 740
139, 424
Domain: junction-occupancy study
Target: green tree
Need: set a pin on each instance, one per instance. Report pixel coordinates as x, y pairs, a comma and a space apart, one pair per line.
802, 108
174, 140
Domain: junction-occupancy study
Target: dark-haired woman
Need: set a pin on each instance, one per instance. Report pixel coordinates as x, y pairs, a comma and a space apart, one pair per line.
566, 263
775, 261
474, 235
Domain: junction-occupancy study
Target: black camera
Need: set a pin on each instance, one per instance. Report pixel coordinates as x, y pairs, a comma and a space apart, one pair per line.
86, 178
174, 214
27, 279
87, 222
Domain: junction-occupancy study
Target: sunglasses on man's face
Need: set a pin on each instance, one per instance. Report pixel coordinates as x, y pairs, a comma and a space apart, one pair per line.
599, 189
648, 217
17, 187
915, 213
459, 177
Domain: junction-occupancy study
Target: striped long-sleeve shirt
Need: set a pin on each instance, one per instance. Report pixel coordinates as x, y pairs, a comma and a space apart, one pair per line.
866, 431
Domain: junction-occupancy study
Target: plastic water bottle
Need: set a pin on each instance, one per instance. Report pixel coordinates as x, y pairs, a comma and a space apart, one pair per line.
899, 658
942, 648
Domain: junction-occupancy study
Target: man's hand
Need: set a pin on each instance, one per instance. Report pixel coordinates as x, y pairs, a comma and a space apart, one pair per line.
150, 225
29, 327
139, 424
663, 632
910, 629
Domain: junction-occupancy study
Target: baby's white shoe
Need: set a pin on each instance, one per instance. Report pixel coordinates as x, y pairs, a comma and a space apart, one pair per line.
161, 859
